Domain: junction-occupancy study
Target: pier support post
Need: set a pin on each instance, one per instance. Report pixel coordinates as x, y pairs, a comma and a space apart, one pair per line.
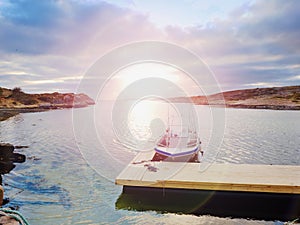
1, 195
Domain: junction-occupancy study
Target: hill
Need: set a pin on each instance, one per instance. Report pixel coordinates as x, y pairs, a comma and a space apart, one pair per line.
15, 101
279, 98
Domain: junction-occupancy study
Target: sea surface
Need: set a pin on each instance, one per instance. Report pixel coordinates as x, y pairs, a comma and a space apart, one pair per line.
74, 156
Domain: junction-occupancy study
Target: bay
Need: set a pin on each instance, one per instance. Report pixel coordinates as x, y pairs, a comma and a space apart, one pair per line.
68, 177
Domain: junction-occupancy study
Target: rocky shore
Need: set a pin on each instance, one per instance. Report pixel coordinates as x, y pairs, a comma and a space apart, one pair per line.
16, 101
276, 98
8, 158
5, 114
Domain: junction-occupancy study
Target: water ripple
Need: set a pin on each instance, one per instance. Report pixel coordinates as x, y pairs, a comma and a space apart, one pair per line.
57, 186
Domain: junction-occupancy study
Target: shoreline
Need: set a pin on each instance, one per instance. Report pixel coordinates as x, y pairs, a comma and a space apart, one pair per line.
276, 98
268, 107
6, 113
15, 101
244, 106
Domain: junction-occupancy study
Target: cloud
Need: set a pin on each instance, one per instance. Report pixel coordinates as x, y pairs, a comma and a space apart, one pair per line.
28, 26
59, 38
262, 84
62, 27
256, 43
294, 78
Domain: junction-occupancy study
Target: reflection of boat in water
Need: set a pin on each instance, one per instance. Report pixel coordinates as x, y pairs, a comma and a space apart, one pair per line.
179, 144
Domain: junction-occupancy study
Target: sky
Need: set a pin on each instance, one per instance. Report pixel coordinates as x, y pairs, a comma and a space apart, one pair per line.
48, 46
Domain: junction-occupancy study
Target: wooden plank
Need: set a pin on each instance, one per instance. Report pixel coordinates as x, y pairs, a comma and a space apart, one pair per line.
225, 177
143, 156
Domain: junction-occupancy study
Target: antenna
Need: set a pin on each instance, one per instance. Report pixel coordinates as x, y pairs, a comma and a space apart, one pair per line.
168, 117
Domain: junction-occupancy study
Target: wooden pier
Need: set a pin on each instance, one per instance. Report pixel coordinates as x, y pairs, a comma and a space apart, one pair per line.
219, 177
267, 192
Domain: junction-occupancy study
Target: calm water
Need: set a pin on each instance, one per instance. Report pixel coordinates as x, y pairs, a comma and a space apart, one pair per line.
68, 180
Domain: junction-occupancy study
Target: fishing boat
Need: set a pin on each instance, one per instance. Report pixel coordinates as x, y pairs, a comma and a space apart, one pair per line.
179, 144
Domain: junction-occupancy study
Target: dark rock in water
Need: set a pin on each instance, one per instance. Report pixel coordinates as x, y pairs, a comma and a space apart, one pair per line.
34, 158
21, 146
18, 158
7, 153
6, 149
8, 158
6, 167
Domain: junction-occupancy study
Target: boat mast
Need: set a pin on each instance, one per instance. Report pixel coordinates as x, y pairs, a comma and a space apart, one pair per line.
168, 129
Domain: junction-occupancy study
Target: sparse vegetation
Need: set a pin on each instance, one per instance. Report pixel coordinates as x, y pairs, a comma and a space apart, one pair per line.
29, 101
295, 97
17, 90
17, 101
281, 98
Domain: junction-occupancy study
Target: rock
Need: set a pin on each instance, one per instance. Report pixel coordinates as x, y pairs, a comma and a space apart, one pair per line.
6, 167
6, 149
5, 114
18, 158
21, 146
8, 158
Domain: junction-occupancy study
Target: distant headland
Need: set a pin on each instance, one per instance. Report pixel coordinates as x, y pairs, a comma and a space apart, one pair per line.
277, 98
14, 101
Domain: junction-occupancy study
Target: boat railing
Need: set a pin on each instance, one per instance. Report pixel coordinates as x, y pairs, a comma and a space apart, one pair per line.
192, 143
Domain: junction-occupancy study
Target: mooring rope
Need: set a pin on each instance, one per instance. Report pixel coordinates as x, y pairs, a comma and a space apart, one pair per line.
15, 215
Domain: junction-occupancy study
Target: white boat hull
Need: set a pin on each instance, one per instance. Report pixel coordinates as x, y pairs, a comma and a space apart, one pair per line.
183, 156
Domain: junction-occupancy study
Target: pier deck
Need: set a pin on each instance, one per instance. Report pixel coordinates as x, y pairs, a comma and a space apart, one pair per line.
201, 176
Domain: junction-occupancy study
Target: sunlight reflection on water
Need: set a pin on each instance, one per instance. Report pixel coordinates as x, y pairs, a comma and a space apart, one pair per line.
61, 188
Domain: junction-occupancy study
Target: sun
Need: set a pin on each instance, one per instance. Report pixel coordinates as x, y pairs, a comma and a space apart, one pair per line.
139, 71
